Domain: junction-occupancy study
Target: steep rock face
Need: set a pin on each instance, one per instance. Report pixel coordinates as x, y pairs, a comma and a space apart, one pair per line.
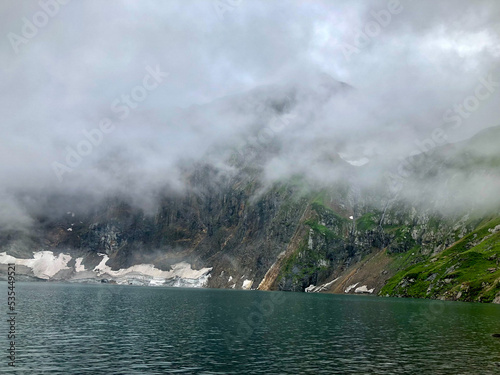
333, 241
224, 224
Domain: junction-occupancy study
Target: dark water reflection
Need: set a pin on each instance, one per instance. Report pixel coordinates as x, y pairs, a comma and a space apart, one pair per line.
105, 329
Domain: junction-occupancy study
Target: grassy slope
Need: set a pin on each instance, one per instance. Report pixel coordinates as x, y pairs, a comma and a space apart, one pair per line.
467, 271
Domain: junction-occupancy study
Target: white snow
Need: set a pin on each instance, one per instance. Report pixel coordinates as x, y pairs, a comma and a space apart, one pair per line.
350, 287
44, 263
320, 288
230, 279
363, 289
247, 284
181, 270
310, 288
70, 229
79, 267
156, 282
356, 163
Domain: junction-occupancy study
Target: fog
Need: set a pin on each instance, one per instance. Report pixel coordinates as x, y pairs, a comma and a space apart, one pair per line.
110, 98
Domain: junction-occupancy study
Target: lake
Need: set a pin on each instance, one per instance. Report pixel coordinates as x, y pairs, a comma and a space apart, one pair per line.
110, 329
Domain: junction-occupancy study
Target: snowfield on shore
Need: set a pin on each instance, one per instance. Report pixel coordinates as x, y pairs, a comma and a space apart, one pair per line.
45, 265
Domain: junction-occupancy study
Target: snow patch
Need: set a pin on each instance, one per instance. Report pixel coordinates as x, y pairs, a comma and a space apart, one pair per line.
348, 289
44, 263
320, 288
356, 163
247, 284
363, 289
79, 267
156, 281
310, 288
181, 272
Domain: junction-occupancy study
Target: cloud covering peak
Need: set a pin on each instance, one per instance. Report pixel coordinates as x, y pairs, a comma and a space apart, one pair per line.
150, 84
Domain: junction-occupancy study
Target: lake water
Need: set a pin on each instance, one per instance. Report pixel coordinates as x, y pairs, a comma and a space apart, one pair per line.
107, 329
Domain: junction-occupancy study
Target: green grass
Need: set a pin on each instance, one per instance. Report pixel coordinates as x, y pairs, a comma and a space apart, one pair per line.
367, 222
302, 264
468, 271
321, 229
327, 212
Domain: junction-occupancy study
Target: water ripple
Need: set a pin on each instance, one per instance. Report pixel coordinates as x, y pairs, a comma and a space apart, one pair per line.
92, 329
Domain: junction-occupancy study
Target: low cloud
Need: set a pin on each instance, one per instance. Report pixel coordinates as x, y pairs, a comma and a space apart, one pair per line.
226, 79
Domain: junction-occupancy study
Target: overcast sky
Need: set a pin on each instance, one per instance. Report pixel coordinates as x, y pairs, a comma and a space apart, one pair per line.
62, 68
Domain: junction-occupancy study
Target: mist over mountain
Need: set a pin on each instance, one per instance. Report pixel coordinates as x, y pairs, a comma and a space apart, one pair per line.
58, 85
